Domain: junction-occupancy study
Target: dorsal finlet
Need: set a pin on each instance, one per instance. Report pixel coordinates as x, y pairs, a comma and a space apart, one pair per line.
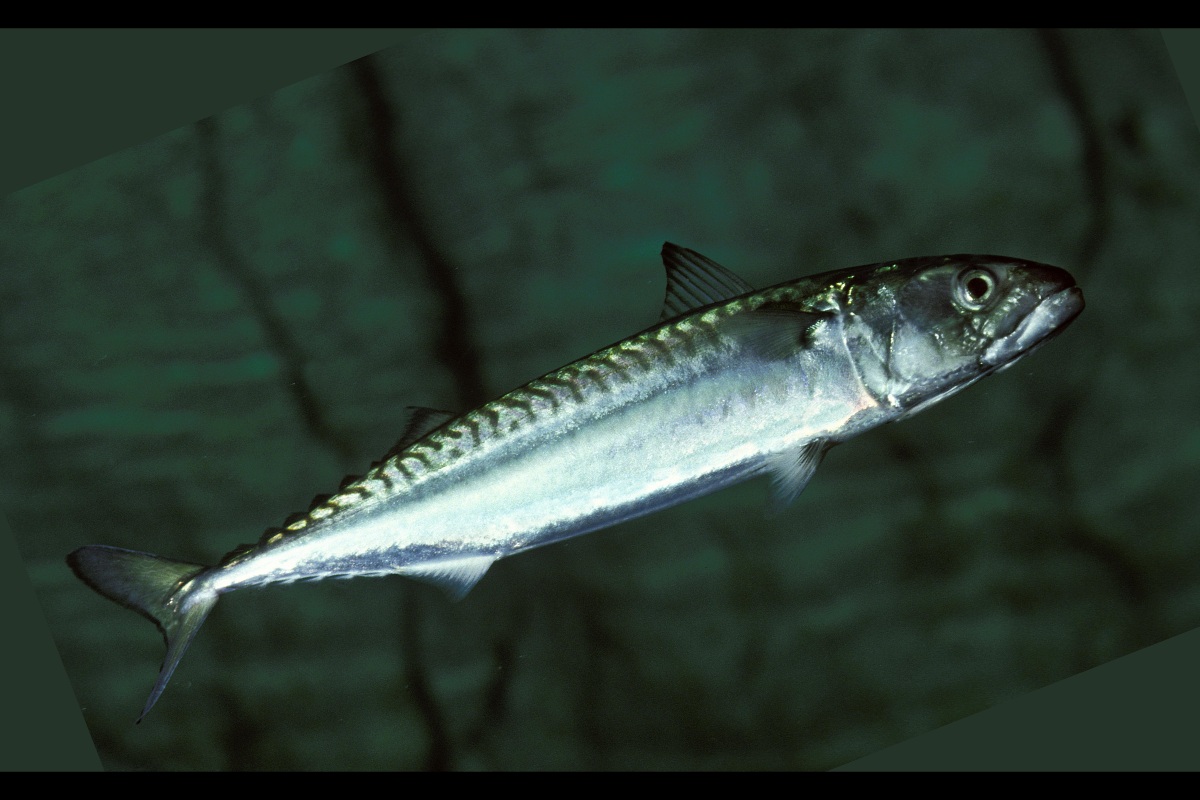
695, 281
421, 421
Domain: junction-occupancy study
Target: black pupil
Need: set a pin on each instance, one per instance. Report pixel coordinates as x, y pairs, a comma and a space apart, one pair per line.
977, 287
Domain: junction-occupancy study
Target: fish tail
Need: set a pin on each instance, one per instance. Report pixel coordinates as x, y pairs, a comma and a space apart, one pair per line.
164, 591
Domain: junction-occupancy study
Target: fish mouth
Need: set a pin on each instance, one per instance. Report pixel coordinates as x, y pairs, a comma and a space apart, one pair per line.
1047, 319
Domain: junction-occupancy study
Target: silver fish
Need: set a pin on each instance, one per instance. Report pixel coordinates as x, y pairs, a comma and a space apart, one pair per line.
730, 384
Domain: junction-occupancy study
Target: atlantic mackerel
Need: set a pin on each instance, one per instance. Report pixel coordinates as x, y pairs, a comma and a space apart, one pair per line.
729, 384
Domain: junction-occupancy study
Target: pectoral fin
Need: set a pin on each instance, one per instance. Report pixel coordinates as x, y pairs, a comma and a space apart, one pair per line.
774, 330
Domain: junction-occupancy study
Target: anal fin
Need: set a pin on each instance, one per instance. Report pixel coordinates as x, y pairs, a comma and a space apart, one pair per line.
456, 576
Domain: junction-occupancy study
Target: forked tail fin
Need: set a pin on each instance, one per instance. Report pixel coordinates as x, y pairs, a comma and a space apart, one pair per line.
164, 591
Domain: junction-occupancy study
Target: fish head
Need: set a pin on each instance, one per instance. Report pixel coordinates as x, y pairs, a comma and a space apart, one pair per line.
922, 329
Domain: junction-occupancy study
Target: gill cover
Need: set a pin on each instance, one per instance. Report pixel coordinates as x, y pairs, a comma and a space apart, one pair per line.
921, 329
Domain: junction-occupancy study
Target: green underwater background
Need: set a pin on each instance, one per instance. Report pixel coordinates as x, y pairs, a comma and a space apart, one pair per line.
210, 328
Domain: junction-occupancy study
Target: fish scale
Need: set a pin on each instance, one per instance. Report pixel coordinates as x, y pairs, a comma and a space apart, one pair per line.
730, 384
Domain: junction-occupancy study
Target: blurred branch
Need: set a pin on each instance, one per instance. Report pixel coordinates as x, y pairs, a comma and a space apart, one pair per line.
495, 708
455, 347
440, 756
1054, 45
1051, 443
230, 261
1082, 537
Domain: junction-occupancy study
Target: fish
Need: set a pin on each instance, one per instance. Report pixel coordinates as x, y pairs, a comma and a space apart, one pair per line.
731, 383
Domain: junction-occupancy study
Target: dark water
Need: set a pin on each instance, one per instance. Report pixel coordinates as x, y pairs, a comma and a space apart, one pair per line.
220, 323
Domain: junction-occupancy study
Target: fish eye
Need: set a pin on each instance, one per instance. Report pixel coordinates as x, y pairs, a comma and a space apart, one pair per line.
975, 288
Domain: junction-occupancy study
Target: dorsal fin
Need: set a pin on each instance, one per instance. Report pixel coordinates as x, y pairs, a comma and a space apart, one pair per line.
421, 421
694, 281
